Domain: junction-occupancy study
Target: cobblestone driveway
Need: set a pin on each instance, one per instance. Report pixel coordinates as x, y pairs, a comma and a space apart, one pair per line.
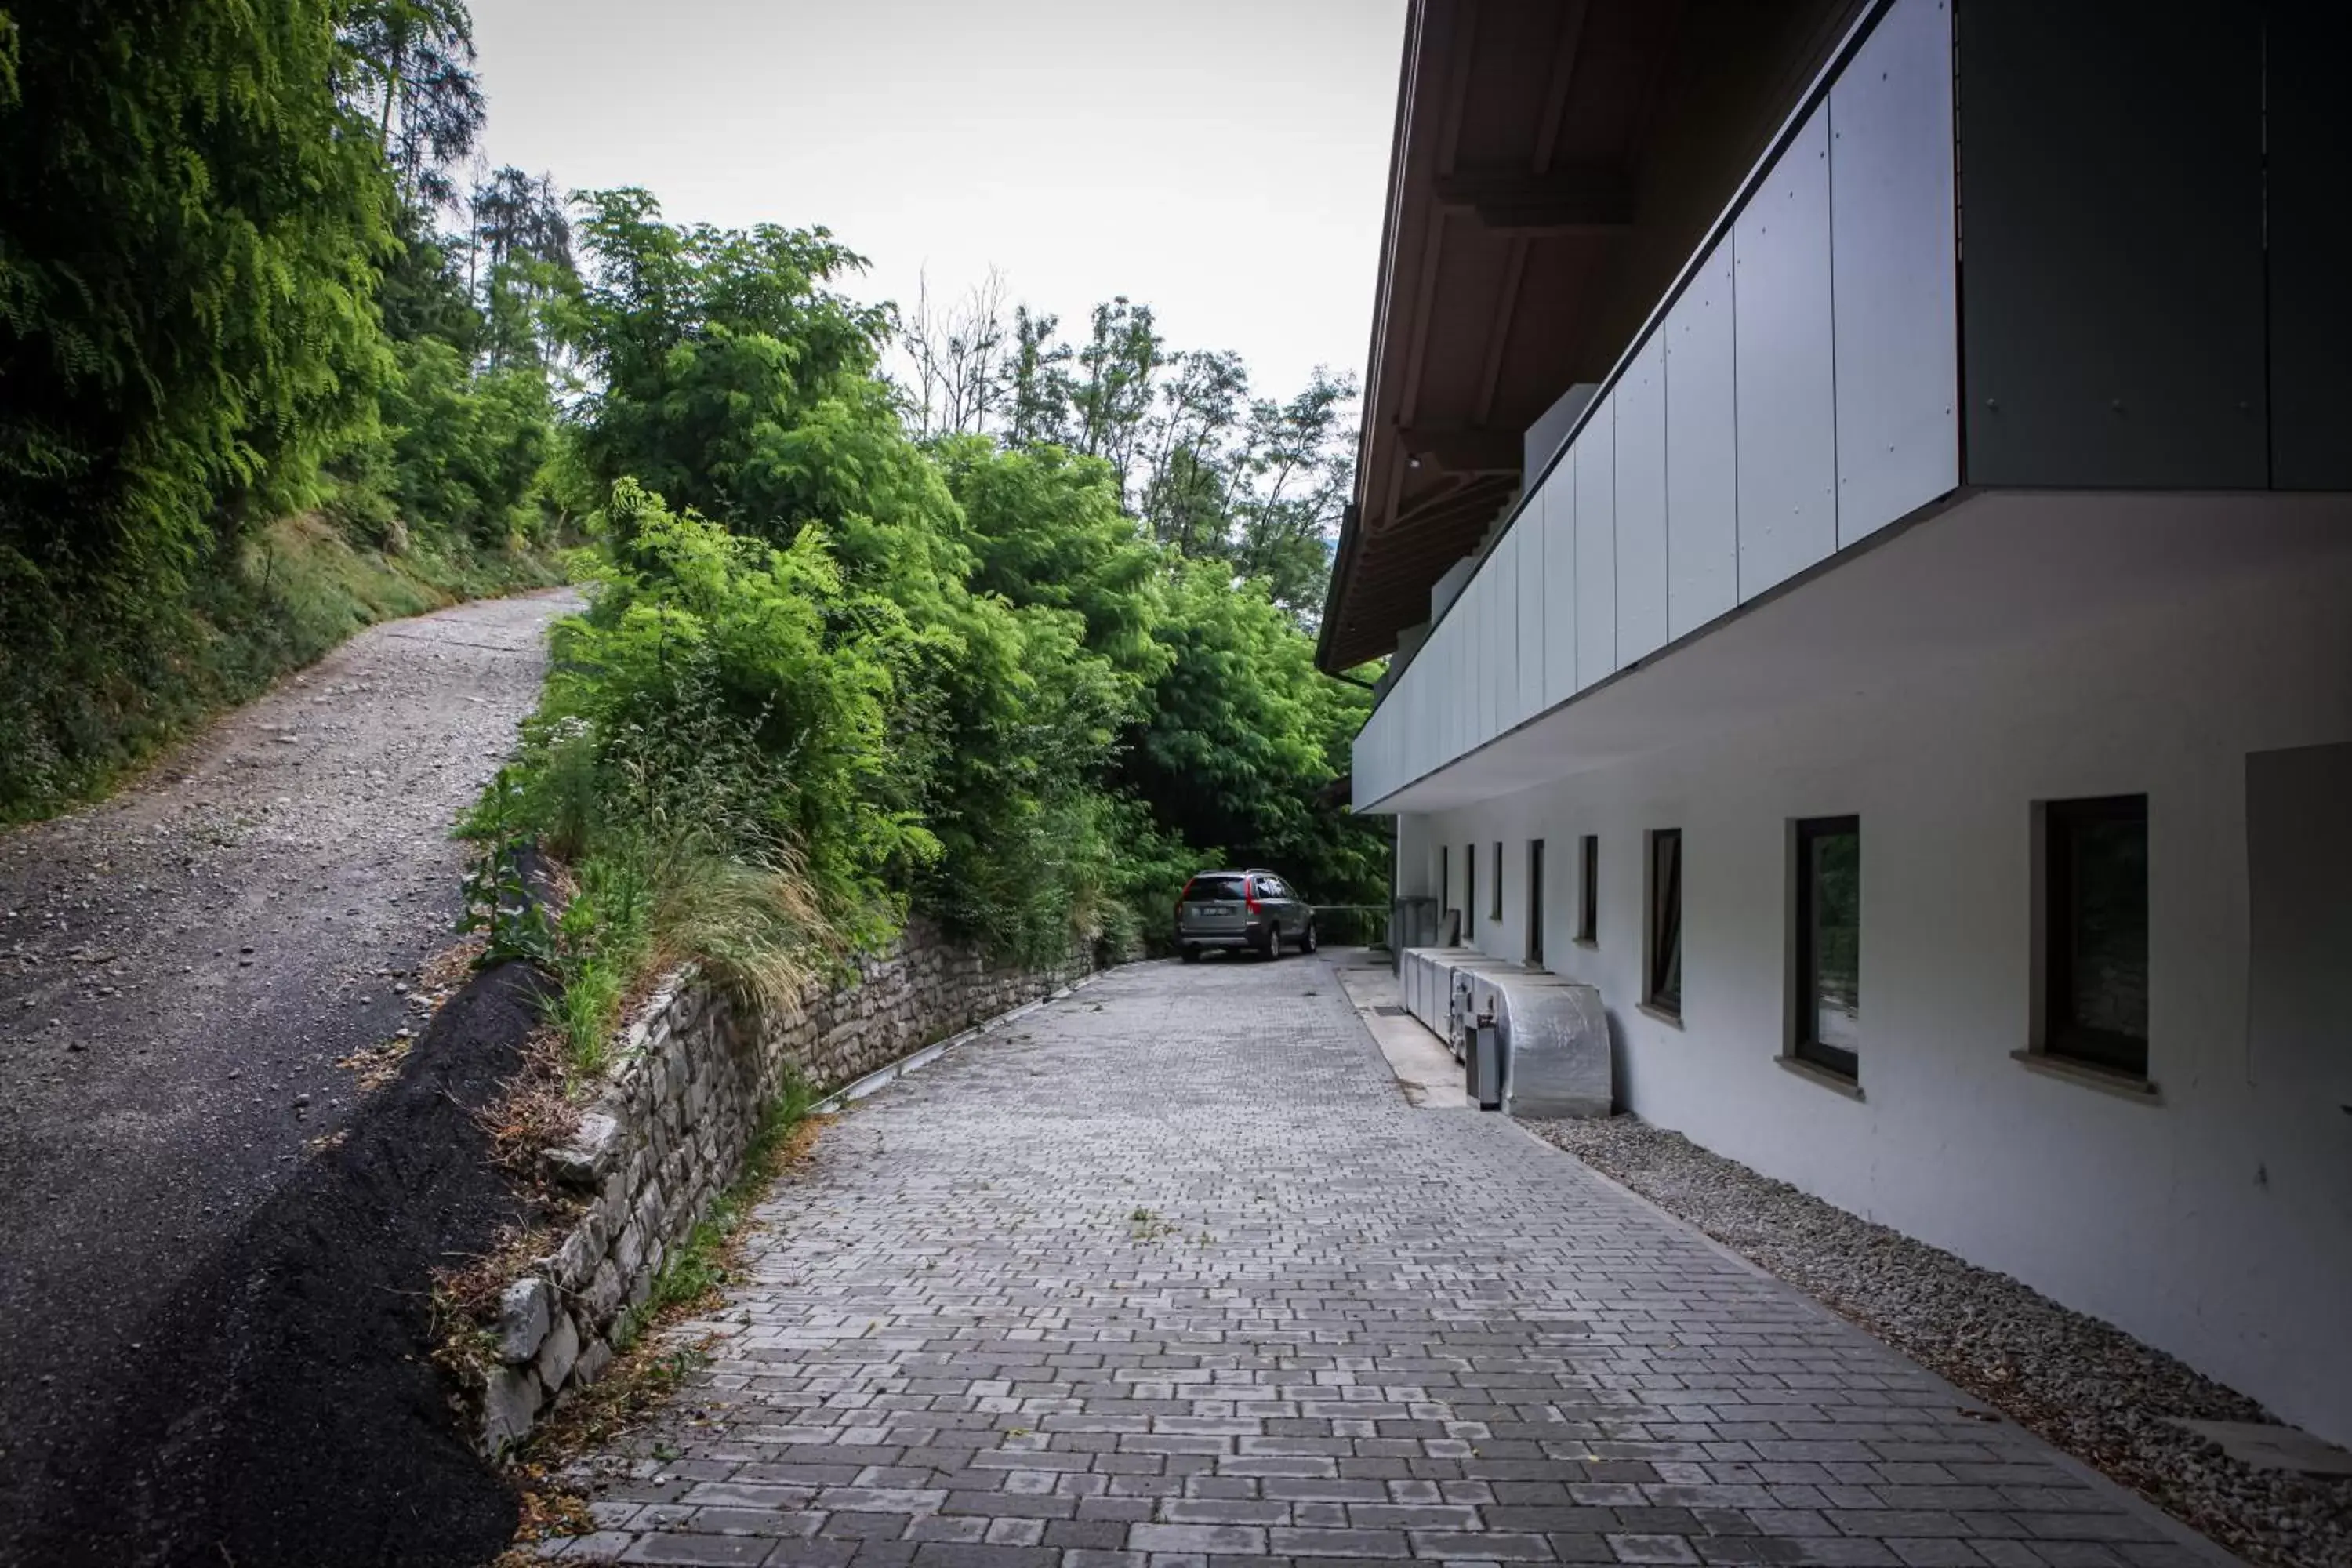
1168, 1273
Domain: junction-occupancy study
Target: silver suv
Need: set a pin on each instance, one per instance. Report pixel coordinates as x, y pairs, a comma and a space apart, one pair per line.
1234, 910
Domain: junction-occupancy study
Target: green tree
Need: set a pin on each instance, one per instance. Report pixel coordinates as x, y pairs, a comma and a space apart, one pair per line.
523, 237
464, 449
408, 67
190, 228
1037, 382
1111, 393
1244, 741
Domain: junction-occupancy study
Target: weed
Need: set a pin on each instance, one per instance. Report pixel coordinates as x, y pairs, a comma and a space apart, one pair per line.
500, 901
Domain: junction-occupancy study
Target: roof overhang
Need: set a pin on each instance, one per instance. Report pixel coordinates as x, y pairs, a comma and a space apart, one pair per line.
1553, 163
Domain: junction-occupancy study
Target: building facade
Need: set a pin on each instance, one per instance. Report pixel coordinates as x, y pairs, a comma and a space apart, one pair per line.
1857, 500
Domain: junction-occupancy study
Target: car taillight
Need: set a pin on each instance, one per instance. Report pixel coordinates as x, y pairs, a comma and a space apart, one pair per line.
1183, 898
1249, 896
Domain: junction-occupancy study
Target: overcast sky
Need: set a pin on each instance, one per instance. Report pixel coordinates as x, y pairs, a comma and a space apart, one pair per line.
1223, 160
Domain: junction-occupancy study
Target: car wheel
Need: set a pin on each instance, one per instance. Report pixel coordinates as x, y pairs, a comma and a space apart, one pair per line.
1307, 943
1273, 943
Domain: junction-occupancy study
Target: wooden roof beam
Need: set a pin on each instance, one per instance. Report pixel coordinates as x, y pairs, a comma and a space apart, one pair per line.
1576, 199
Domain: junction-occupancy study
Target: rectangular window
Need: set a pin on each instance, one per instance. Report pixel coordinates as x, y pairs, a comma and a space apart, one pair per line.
1535, 901
1829, 944
1469, 889
1444, 883
1588, 889
2095, 931
1495, 911
1663, 973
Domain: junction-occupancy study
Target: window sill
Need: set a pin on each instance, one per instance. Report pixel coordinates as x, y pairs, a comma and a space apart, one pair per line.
2090, 1075
1587, 941
1660, 1014
1813, 1072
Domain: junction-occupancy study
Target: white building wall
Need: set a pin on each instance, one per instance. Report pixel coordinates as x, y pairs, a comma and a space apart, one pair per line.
2216, 1223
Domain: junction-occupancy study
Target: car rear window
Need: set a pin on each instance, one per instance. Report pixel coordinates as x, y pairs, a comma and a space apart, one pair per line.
1205, 890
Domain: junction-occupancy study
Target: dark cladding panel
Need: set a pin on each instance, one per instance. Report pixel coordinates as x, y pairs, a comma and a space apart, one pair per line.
2309, 133
2111, 283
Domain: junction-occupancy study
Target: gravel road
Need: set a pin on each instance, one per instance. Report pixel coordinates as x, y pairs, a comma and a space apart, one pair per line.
182, 968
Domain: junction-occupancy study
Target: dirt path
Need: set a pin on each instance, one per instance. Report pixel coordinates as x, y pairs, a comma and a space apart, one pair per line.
181, 970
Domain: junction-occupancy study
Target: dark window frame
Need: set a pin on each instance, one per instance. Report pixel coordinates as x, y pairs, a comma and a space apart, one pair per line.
1661, 935
1805, 1042
1588, 889
1444, 882
1535, 901
1470, 890
2061, 1035
1494, 912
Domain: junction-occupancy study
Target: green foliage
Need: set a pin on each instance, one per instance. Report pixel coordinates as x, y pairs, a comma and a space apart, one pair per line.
725, 687
951, 677
1212, 472
216, 222
190, 226
1245, 738
463, 450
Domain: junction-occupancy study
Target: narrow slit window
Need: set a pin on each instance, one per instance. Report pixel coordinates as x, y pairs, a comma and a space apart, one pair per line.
1588, 889
1495, 911
1829, 944
2095, 931
1535, 901
1469, 890
1663, 973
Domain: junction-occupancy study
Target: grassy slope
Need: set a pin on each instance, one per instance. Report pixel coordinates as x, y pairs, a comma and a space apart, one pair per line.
80, 715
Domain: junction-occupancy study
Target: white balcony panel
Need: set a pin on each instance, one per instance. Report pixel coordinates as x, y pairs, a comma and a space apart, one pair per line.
1527, 579
1502, 634
1641, 400
1702, 452
1787, 404
1432, 677
1596, 547
1461, 673
1503, 640
1491, 673
1478, 625
1558, 495
1892, 250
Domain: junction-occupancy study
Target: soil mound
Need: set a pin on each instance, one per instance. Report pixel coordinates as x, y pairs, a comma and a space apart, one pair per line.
282, 1408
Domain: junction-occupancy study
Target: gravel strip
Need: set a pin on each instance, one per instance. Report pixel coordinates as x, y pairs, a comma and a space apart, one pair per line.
2085, 1386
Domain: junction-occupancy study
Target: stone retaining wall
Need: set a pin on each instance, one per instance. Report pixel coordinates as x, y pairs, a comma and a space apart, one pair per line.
668, 1131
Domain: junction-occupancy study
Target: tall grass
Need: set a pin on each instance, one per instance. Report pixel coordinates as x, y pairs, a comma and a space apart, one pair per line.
640, 906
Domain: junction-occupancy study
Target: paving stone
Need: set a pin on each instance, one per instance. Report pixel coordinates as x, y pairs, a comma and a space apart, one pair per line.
1166, 1274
